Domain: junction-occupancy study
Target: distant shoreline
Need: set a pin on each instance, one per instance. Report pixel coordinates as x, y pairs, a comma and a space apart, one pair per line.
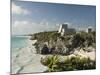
20, 36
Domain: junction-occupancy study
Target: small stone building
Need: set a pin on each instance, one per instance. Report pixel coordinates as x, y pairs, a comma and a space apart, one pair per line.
65, 30
89, 29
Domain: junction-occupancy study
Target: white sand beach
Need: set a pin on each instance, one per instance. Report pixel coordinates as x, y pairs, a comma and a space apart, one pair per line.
27, 61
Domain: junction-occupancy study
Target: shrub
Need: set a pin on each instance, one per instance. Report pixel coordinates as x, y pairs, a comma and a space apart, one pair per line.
78, 39
69, 64
51, 62
83, 39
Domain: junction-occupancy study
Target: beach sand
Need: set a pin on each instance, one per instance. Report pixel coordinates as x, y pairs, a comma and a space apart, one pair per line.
91, 55
27, 61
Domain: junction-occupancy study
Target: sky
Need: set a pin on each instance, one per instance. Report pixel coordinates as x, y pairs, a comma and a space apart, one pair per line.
33, 17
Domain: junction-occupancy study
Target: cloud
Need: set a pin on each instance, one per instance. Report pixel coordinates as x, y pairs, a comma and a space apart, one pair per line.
18, 9
67, 23
44, 22
28, 27
23, 27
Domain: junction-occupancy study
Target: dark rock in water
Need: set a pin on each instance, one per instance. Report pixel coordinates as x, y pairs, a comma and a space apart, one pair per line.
45, 50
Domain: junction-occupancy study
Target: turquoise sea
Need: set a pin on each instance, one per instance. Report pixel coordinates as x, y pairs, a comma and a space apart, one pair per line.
18, 42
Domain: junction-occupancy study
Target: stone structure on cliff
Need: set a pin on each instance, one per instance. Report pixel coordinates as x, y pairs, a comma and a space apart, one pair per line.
63, 30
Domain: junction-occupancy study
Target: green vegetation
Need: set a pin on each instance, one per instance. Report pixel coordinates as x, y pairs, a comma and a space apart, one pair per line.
83, 39
45, 36
51, 63
69, 64
52, 43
